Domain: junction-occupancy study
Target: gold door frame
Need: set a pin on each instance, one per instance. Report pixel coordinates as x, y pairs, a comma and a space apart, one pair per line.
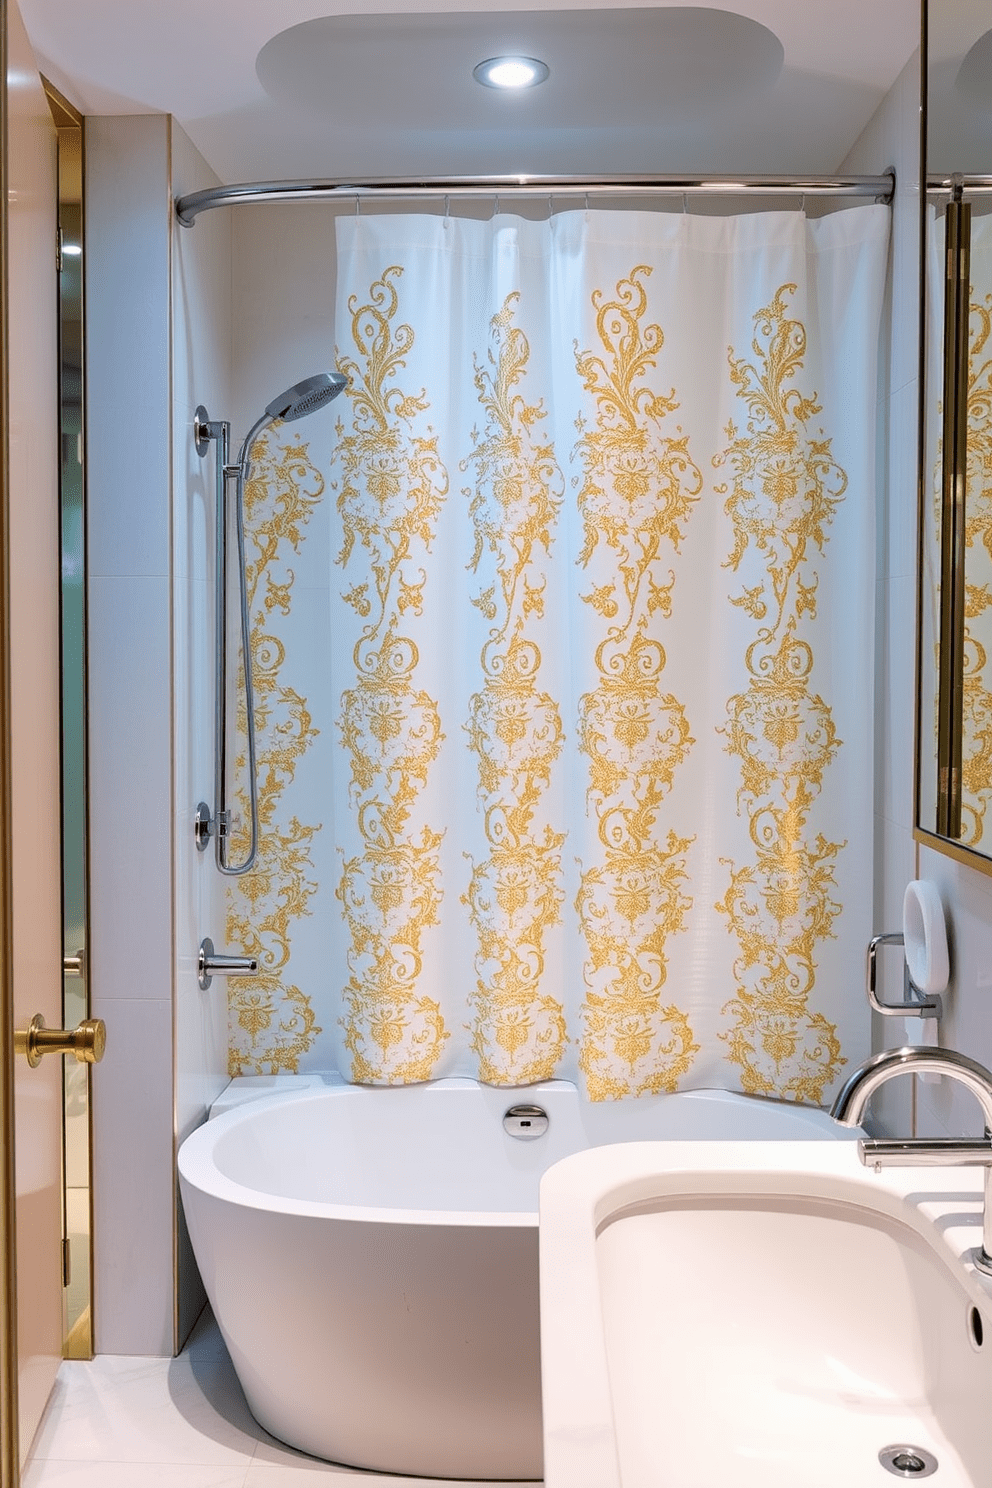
77, 1297
9, 1447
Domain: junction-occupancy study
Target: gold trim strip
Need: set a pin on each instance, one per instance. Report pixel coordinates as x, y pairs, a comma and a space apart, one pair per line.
64, 114
966, 855
954, 478
9, 1446
91, 1312
922, 483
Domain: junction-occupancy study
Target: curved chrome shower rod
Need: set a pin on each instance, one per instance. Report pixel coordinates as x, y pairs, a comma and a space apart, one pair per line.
402, 188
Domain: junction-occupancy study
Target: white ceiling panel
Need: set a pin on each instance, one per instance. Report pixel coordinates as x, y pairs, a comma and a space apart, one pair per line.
308, 87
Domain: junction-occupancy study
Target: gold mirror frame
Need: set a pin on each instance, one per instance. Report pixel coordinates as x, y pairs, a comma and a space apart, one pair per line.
954, 480
942, 761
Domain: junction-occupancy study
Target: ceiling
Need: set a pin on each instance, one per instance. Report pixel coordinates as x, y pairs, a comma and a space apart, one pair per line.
276, 89
959, 85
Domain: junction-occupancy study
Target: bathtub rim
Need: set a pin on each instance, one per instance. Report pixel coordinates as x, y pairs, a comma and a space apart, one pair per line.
198, 1169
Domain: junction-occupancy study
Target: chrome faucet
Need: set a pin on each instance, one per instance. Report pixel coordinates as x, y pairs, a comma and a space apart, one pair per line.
940, 1152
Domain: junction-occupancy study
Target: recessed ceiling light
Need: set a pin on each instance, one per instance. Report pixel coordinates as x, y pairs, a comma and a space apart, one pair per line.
510, 72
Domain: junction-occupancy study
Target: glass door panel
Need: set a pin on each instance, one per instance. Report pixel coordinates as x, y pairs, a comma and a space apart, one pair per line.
77, 1269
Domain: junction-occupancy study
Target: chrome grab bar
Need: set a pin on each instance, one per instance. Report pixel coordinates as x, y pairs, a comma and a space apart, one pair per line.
916, 1006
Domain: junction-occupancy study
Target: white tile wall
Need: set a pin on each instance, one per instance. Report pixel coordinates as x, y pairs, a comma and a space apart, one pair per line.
944, 1108
201, 288
940, 1108
133, 1180
202, 351
127, 229
130, 788
892, 140
128, 392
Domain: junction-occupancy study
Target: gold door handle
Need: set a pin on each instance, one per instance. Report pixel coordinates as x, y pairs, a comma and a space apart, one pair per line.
87, 1042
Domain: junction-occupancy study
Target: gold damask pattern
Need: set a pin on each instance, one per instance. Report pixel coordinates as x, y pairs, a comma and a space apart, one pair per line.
784, 489
638, 486
392, 485
976, 775
272, 1022
515, 728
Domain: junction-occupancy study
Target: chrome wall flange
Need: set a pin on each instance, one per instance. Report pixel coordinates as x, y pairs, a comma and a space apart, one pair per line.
202, 826
201, 434
209, 964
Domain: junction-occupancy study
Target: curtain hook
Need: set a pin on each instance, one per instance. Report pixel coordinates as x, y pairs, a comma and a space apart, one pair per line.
447, 209
587, 201
496, 205
685, 203
551, 205
802, 203
358, 205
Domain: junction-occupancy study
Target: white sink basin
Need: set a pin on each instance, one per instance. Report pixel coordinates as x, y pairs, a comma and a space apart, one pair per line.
770, 1315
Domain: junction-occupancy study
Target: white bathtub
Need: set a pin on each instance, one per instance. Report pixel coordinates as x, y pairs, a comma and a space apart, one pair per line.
371, 1258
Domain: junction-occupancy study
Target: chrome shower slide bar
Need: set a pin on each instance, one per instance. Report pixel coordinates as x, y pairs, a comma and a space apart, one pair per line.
297, 402
402, 188
219, 824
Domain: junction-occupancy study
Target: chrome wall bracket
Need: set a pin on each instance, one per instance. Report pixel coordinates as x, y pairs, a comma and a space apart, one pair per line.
209, 964
915, 1005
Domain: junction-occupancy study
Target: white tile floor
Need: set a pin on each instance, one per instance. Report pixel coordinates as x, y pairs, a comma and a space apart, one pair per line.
170, 1423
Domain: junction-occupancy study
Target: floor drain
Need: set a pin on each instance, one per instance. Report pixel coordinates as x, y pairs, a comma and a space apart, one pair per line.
908, 1463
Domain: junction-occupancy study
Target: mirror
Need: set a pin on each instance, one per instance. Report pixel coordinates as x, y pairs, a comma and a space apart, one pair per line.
954, 719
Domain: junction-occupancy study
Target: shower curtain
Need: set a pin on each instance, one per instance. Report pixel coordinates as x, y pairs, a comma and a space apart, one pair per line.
602, 649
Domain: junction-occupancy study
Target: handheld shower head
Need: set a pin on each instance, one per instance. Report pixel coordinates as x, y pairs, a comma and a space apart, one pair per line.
306, 396
295, 403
